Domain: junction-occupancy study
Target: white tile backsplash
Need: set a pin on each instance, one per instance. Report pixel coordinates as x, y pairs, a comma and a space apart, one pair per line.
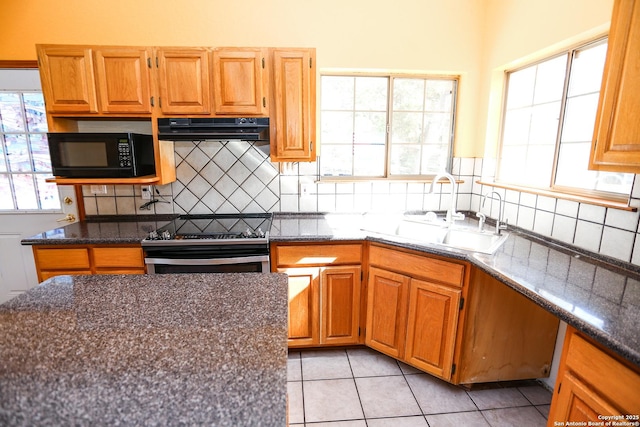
234, 176
617, 243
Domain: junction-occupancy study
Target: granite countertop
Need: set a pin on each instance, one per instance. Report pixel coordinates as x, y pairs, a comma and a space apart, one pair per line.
111, 229
598, 298
205, 349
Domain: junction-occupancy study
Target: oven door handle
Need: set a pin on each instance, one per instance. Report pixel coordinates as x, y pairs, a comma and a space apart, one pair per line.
209, 261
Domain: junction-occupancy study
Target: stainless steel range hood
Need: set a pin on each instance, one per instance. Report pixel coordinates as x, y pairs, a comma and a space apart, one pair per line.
197, 129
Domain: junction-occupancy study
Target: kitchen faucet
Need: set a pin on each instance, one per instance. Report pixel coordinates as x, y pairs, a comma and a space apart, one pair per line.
499, 225
452, 215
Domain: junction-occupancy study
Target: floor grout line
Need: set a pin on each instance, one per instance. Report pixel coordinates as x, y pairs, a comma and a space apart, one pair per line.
351, 359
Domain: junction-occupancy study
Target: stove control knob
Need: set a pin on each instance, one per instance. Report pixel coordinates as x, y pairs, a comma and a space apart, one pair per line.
153, 235
166, 235
260, 233
247, 233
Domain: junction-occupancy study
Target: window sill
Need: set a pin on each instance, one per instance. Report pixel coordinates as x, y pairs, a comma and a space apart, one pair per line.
565, 196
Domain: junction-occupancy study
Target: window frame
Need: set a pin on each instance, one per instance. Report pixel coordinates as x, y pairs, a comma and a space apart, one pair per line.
390, 76
24, 65
561, 190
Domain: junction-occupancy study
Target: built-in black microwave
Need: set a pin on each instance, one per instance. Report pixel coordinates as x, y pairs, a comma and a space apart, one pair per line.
101, 155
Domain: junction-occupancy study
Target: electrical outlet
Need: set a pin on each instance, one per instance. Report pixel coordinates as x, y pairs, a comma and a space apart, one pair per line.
306, 188
146, 192
98, 189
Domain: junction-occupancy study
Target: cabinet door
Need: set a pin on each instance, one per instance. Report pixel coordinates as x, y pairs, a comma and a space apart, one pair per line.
68, 82
340, 305
431, 327
617, 131
239, 81
294, 98
387, 312
304, 300
576, 402
123, 79
184, 81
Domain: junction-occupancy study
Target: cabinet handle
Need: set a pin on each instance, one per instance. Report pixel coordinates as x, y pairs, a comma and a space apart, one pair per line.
149, 62
152, 103
264, 101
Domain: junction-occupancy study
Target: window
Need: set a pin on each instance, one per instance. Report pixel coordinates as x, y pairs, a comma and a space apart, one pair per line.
386, 126
548, 125
24, 153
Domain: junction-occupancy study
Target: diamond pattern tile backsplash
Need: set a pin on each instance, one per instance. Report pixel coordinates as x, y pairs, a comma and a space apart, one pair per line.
212, 177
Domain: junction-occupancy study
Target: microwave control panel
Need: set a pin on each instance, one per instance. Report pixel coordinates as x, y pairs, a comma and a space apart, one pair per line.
124, 154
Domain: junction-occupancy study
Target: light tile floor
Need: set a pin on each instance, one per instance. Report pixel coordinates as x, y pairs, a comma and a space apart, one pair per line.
359, 387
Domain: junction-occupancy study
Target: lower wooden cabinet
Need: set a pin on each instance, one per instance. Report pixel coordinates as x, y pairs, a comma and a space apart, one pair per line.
454, 321
387, 311
413, 308
324, 299
593, 383
88, 259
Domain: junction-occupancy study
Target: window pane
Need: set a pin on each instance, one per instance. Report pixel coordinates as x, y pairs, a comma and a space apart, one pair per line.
11, 116
586, 70
337, 93
437, 128
405, 160
25, 191
18, 152
439, 95
550, 80
6, 203
408, 94
336, 160
337, 127
521, 86
47, 193
371, 93
407, 128
580, 119
369, 160
371, 128
435, 158
36, 117
544, 124
40, 152
3, 159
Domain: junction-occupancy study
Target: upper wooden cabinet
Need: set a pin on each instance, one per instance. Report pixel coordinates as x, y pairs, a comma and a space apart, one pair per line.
240, 81
293, 111
184, 80
68, 79
616, 141
123, 79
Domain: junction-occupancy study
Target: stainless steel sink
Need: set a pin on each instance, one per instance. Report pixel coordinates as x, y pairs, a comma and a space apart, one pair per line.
437, 233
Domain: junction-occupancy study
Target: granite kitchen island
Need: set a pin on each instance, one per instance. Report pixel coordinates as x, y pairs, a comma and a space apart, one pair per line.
184, 349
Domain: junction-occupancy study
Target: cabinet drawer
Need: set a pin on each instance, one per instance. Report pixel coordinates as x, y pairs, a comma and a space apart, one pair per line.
294, 255
62, 259
611, 377
417, 266
118, 257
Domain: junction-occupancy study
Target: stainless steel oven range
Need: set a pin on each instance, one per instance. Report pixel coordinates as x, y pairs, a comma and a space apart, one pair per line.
217, 243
